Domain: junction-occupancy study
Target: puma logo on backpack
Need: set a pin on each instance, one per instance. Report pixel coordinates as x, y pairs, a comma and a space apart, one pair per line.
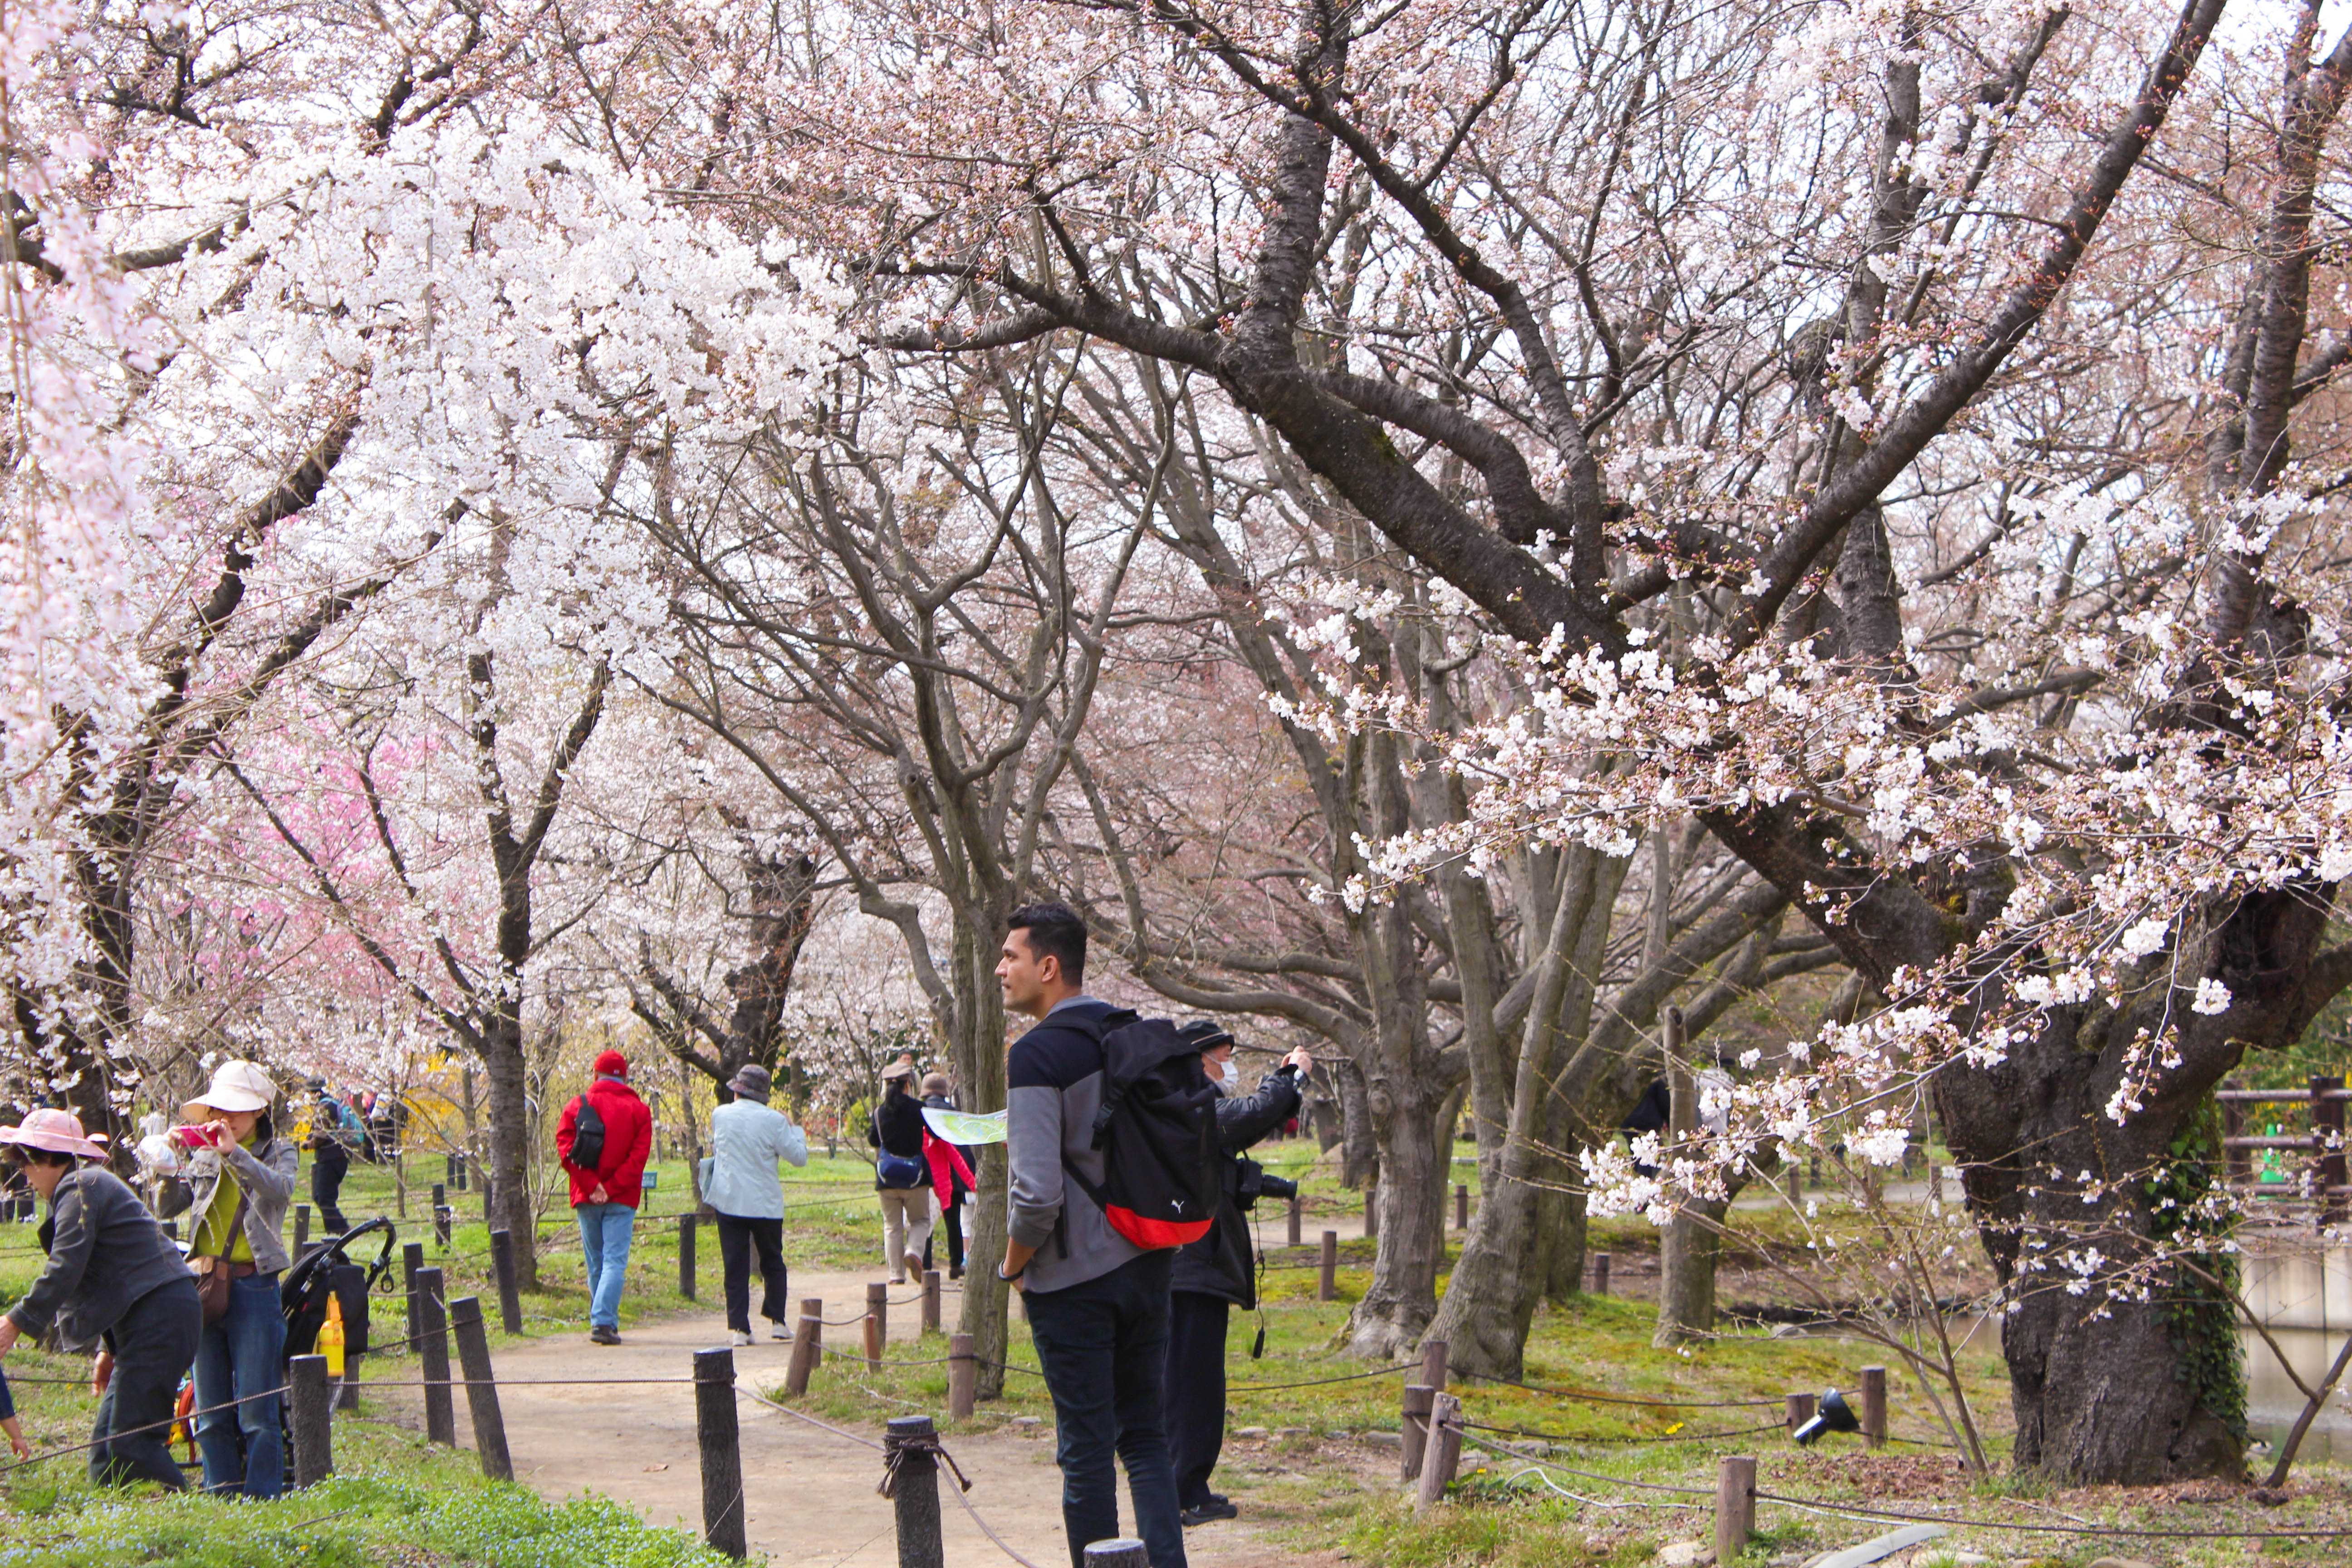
1157, 1132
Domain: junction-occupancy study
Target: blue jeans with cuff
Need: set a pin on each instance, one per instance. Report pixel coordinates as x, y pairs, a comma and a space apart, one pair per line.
243, 1354
1103, 1346
604, 1233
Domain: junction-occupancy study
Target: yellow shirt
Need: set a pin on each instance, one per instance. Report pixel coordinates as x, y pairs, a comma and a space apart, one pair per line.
206, 1243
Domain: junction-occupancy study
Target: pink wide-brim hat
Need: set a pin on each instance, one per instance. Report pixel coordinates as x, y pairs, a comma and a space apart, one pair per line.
58, 1131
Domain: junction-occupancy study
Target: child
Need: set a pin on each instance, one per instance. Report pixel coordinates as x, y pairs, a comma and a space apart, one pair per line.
10, 1425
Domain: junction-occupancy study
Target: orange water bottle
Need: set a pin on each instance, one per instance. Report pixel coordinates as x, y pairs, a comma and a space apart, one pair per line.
330, 1336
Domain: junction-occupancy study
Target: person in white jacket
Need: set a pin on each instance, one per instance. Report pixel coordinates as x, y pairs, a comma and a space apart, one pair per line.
747, 1139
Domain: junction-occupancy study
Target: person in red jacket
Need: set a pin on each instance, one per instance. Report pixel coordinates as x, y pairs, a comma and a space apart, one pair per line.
605, 1189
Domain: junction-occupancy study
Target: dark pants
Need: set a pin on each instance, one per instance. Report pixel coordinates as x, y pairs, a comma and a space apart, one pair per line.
737, 1238
1196, 1391
952, 1222
329, 1165
243, 1356
154, 1343
1103, 1346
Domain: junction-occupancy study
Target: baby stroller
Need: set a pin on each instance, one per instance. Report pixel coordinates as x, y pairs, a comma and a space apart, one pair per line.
327, 1269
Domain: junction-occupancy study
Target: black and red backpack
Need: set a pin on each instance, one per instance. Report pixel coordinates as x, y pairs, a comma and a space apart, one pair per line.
1157, 1132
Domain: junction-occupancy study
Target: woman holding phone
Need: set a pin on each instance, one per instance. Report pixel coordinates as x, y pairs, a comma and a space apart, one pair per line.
238, 1178
112, 1277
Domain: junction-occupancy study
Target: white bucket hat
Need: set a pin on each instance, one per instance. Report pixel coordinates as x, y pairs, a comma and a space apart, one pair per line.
235, 1086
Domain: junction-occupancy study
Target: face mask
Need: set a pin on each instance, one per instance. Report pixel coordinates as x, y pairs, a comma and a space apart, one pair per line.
1233, 1077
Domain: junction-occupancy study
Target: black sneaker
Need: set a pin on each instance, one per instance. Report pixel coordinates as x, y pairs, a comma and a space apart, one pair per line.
1214, 1508
604, 1336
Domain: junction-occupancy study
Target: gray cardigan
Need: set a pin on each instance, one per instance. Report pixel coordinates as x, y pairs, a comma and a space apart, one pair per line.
267, 1178
105, 1251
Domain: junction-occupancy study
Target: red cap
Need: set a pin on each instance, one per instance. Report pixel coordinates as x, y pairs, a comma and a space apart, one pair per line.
612, 1064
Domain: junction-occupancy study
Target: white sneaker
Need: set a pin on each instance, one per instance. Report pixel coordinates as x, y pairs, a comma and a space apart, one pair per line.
777, 1330
738, 1337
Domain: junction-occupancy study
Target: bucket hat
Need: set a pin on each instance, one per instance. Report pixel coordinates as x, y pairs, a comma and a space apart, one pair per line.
57, 1132
235, 1086
752, 1080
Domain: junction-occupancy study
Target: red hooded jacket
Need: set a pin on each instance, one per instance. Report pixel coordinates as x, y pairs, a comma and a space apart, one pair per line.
628, 1142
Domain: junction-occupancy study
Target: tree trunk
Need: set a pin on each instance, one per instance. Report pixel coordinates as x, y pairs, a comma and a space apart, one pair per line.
1402, 1297
1563, 1220
509, 1138
977, 1047
1689, 1249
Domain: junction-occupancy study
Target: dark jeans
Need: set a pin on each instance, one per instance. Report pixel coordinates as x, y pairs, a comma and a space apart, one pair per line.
152, 1343
1103, 1346
737, 1238
329, 1165
1196, 1391
243, 1354
952, 1221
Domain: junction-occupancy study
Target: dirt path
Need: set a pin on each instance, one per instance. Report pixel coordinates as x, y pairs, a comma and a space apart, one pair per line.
809, 1495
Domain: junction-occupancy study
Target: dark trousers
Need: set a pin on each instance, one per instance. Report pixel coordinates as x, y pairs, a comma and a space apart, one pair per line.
1103, 1347
952, 1222
329, 1165
736, 1239
1196, 1391
153, 1344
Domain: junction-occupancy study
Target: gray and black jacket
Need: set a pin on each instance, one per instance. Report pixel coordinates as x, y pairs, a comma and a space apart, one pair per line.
1054, 1086
106, 1251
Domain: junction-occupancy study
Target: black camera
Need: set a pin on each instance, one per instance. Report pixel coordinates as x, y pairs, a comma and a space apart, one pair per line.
1256, 1184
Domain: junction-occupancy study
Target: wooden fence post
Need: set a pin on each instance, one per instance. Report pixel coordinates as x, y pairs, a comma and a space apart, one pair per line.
441, 1215
961, 1371
808, 1343
1433, 1363
930, 1300
877, 1322
685, 1254
1735, 1507
1601, 1274
308, 1415
1294, 1222
1874, 1405
481, 1388
1461, 1206
1800, 1410
911, 1481
1122, 1552
1327, 1287
1439, 1460
1418, 1398
502, 1263
301, 1228
718, 1435
433, 1344
1372, 1211
412, 1258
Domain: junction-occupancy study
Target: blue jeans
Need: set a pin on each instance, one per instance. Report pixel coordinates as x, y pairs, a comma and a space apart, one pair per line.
604, 1231
244, 1354
1103, 1347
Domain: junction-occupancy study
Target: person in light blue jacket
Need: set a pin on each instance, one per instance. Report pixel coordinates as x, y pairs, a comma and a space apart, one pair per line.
747, 1139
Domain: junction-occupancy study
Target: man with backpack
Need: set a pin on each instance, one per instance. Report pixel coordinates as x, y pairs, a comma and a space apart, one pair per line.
1111, 1136
605, 1139
335, 1133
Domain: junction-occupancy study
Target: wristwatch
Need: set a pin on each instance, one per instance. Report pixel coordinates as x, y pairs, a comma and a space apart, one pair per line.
1016, 1274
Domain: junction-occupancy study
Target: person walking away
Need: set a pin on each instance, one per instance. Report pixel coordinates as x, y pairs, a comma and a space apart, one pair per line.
1097, 1304
951, 1176
236, 1183
899, 1182
333, 1132
112, 1277
605, 1138
1218, 1272
747, 1138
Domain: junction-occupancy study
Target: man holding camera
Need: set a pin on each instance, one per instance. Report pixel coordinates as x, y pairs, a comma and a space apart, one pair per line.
1218, 1272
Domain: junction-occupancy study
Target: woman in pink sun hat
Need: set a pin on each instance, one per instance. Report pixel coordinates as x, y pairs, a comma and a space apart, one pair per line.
113, 1278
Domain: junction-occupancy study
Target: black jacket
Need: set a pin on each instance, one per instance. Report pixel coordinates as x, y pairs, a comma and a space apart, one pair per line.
1221, 1263
898, 1128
